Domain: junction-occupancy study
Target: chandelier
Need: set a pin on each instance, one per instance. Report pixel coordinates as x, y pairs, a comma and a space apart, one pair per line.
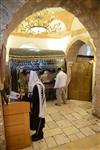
43, 21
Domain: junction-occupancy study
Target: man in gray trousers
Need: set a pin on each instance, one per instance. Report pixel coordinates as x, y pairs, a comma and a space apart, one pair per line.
60, 86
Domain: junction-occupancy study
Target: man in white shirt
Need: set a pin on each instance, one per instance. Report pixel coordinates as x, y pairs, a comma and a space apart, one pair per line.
60, 86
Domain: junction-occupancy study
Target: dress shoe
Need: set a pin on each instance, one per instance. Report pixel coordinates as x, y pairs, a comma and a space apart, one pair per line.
57, 104
36, 137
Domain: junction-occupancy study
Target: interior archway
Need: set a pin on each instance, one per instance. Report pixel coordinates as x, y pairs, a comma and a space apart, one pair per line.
73, 54
80, 58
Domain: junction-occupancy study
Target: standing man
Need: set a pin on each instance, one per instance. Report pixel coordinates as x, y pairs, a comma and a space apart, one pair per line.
45, 77
60, 86
38, 105
23, 81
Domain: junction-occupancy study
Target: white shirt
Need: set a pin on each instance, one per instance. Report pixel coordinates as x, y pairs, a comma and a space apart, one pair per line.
61, 80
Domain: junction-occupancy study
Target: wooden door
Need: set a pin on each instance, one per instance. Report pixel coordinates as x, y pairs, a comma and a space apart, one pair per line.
80, 87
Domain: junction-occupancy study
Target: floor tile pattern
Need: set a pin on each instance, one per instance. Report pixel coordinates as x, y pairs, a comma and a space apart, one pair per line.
67, 123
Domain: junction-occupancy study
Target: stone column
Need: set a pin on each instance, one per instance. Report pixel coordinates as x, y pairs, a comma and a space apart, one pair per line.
2, 131
96, 95
69, 70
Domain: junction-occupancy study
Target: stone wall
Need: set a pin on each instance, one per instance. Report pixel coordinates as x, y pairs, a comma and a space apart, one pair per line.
2, 132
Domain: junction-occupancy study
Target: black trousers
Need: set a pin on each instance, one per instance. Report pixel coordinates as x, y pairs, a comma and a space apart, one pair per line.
37, 124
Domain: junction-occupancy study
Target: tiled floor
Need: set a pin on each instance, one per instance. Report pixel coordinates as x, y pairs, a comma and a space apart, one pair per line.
68, 124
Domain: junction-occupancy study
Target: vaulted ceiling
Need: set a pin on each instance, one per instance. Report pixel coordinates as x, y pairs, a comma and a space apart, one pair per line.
50, 22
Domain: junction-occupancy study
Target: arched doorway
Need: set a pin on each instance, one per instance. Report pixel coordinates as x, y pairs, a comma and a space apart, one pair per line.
74, 52
28, 9
80, 86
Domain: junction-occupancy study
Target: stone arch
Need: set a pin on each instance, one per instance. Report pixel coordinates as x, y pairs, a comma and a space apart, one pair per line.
71, 55
69, 5
73, 50
86, 40
77, 8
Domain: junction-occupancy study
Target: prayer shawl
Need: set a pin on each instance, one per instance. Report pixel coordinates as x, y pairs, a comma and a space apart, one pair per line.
33, 78
41, 91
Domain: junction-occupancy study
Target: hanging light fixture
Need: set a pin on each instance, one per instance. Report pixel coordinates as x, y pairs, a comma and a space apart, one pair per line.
38, 29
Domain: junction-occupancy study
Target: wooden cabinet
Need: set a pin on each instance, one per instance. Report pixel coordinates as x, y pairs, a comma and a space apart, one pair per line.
17, 127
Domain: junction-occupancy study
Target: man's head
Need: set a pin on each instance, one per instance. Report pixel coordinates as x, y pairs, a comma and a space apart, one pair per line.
46, 72
59, 69
24, 72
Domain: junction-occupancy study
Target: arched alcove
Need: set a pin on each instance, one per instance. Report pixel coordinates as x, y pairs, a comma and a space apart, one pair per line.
81, 71
73, 7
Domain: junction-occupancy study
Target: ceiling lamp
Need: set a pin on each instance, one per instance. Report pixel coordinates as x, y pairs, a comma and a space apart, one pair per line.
38, 30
